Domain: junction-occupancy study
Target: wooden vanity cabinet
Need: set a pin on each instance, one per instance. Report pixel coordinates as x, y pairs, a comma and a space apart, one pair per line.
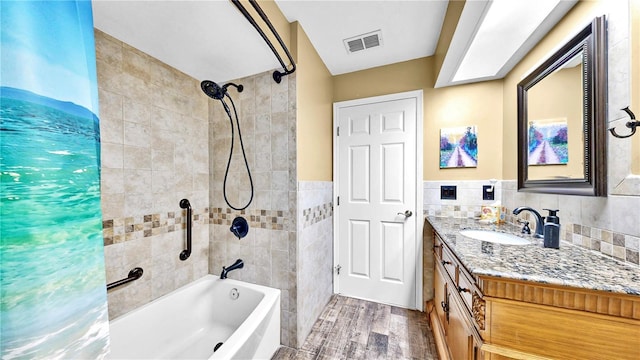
497, 318
451, 319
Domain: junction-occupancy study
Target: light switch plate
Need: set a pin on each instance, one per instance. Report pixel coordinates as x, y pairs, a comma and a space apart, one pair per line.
486, 194
448, 192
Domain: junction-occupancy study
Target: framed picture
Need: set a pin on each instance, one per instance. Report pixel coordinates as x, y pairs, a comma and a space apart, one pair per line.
458, 147
548, 142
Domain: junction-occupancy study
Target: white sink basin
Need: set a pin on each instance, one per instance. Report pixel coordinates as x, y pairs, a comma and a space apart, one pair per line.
494, 237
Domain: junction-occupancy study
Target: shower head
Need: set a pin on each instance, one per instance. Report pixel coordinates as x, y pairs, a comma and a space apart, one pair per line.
216, 91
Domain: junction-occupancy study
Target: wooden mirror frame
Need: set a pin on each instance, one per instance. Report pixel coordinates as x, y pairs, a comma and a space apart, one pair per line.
591, 41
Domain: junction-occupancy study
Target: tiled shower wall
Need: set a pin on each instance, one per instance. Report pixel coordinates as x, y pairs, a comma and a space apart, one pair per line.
315, 259
154, 125
267, 113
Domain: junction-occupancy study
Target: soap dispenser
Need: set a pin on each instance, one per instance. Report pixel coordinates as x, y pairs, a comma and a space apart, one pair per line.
552, 230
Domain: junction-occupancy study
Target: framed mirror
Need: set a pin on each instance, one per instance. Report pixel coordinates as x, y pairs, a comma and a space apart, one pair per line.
562, 119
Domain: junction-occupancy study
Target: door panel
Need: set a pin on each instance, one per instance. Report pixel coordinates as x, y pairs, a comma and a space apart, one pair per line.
392, 173
359, 179
359, 249
393, 250
376, 165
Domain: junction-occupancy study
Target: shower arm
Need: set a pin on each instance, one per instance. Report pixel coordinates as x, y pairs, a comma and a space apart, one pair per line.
277, 75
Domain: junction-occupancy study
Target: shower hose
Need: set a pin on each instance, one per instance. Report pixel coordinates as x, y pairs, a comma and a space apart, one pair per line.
244, 155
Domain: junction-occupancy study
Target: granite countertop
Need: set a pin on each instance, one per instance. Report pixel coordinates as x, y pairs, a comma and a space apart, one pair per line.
570, 265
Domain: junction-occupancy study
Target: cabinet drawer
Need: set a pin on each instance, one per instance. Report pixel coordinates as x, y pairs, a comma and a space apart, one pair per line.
450, 264
465, 288
437, 247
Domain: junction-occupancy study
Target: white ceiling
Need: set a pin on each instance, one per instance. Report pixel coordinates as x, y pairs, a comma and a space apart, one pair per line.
210, 39
204, 39
410, 29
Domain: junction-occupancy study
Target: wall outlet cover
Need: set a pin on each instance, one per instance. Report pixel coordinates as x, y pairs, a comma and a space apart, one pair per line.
448, 192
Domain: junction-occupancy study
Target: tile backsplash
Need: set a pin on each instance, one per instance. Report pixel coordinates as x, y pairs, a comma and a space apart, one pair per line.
606, 225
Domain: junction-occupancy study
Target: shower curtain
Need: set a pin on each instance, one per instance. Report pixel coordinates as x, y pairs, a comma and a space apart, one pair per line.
52, 278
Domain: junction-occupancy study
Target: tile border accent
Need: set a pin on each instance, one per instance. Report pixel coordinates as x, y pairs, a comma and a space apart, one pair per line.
316, 214
456, 211
617, 245
120, 230
257, 218
620, 246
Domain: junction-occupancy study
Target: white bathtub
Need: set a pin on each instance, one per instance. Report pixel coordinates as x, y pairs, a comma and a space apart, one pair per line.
189, 322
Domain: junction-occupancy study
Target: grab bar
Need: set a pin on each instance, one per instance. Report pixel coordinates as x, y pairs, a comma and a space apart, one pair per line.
277, 75
184, 204
134, 274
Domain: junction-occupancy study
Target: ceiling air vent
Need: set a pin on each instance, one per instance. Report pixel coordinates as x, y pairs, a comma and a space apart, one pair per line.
364, 41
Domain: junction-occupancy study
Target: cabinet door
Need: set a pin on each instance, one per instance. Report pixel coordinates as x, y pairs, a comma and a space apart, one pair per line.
459, 337
440, 297
476, 353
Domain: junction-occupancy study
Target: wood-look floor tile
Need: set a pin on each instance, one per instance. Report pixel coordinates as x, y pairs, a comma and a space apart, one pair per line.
285, 353
361, 325
356, 329
341, 332
305, 355
377, 346
319, 334
356, 351
381, 318
399, 336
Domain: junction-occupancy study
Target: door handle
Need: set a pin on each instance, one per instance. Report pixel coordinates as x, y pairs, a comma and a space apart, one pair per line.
406, 214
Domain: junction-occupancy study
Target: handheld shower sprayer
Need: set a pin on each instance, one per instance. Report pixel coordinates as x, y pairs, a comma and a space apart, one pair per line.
217, 92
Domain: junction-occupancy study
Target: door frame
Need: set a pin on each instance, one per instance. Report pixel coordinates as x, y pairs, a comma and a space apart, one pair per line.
418, 96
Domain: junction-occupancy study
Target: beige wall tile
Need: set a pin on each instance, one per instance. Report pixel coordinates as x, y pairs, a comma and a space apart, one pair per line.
144, 105
111, 156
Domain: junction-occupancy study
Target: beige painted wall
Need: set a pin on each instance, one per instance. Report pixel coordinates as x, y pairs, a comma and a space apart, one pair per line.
314, 110
277, 19
389, 79
577, 18
491, 106
474, 104
477, 104
451, 18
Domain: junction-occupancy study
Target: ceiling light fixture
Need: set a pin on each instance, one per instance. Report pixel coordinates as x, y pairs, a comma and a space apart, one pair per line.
512, 22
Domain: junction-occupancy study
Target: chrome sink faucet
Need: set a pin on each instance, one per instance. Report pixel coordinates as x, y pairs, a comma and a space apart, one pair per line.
539, 219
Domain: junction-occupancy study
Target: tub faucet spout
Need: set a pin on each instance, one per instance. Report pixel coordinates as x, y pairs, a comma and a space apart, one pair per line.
539, 219
239, 264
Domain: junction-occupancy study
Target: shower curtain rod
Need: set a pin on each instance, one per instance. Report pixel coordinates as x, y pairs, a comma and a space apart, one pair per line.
277, 75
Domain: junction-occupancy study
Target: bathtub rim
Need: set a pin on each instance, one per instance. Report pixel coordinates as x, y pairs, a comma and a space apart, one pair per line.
241, 335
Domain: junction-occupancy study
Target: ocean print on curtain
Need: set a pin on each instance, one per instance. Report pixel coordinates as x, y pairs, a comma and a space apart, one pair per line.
54, 301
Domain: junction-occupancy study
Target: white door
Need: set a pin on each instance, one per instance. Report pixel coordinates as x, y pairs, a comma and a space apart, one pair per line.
376, 168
